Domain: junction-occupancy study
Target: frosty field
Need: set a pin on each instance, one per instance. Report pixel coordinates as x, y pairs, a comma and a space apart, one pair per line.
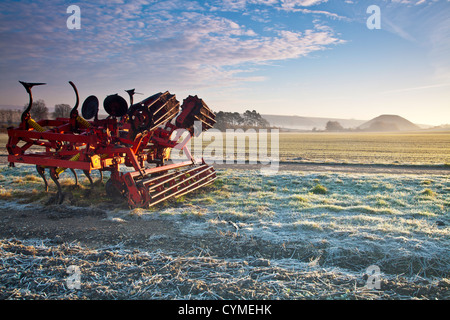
430, 148
406, 148
399, 223
286, 236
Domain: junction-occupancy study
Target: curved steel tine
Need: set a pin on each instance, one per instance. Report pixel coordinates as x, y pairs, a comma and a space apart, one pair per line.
74, 109
88, 175
131, 94
41, 172
75, 176
28, 86
54, 176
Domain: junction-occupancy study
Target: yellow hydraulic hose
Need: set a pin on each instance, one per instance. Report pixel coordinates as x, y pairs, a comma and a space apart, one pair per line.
83, 122
35, 125
74, 158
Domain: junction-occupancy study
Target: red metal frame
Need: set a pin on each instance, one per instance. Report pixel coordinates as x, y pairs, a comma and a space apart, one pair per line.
75, 143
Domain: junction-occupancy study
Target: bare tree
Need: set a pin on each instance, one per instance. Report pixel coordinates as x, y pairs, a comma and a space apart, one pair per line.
38, 110
3, 116
62, 111
334, 126
13, 116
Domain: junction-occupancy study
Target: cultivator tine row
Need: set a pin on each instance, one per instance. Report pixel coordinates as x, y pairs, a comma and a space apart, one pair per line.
130, 135
175, 184
195, 110
153, 112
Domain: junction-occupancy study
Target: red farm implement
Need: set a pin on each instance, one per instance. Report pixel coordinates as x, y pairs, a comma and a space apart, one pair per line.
136, 135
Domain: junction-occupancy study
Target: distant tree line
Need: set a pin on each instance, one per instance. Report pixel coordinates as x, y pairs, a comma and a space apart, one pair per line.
39, 111
234, 120
9, 117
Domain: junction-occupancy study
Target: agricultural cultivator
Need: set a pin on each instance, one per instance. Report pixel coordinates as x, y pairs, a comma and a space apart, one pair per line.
133, 135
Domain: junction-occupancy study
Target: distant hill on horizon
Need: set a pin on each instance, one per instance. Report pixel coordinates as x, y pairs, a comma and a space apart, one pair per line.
381, 123
388, 122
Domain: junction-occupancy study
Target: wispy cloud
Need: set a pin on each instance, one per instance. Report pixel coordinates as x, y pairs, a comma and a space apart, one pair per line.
433, 86
165, 39
300, 3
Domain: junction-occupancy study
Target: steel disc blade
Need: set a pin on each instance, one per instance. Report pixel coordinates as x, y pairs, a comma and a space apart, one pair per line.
90, 107
115, 105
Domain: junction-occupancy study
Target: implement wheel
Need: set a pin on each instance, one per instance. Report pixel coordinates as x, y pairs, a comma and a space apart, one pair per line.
112, 190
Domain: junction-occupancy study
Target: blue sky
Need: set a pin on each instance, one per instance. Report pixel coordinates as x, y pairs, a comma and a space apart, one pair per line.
290, 57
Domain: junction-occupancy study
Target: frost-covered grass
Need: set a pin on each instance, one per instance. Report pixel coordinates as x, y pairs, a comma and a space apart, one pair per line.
397, 222
23, 184
38, 269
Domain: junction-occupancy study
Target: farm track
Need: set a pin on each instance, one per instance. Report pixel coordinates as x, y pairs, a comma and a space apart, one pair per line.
345, 167
330, 167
